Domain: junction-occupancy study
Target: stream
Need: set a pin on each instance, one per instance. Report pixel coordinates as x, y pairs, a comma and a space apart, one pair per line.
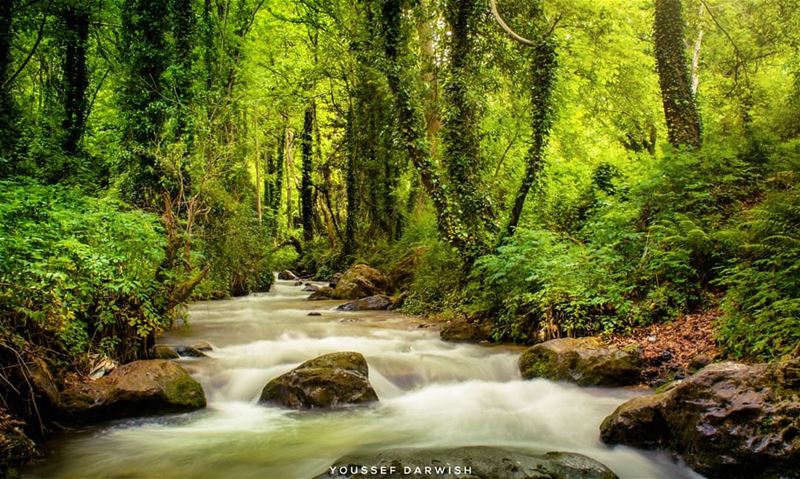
433, 394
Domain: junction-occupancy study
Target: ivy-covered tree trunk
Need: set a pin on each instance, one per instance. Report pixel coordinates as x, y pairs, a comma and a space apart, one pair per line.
76, 79
351, 186
543, 63
306, 184
411, 123
182, 28
461, 133
146, 58
7, 109
680, 110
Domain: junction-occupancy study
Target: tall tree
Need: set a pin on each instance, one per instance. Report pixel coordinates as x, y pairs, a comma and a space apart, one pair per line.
7, 107
306, 184
540, 60
75, 17
680, 110
461, 133
144, 24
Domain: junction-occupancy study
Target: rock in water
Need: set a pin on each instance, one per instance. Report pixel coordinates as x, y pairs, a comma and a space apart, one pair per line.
321, 294
163, 351
728, 420
464, 331
378, 302
287, 276
585, 361
310, 287
134, 389
328, 381
335, 280
476, 462
360, 281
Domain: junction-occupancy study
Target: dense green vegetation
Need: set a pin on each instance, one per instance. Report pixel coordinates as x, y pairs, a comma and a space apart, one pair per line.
563, 167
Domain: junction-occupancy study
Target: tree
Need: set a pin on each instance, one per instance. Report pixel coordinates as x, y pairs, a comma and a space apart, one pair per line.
7, 108
306, 188
75, 17
680, 110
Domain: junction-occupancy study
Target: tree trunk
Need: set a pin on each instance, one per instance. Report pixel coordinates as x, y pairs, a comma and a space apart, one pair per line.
680, 110
306, 190
7, 109
289, 178
410, 122
76, 79
351, 187
542, 77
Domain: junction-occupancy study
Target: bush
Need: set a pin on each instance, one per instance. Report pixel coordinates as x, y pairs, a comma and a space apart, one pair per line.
79, 274
762, 304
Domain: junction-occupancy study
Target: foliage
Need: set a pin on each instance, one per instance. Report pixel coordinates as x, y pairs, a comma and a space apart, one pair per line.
762, 303
79, 274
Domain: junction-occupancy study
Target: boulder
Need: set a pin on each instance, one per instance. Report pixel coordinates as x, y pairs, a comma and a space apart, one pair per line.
728, 420
167, 351
202, 346
378, 302
314, 313
467, 462
463, 330
162, 351
321, 294
335, 280
139, 388
16, 448
360, 281
287, 275
585, 361
328, 381
310, 287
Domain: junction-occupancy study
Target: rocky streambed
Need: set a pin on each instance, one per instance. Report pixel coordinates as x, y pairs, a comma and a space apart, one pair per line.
290, 395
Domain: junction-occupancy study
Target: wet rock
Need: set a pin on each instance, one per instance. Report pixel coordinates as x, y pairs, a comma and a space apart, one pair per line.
202, 346
728, 420
462, 330
134, 389
162, 351
378, 302
585, 361
311, 287
16, 448
360, 281
321, 294
335, 280
314, 313
328, 381
167, 351
287, 275
189, 352
481, 462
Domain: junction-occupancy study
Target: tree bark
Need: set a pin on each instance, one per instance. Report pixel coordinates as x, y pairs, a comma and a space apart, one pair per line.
76, 79
680, 110
7, 108
542, 77
306, 190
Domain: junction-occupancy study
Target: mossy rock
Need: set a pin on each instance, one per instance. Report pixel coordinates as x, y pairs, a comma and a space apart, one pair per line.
584, 361
360, 281
135, 389
329, 381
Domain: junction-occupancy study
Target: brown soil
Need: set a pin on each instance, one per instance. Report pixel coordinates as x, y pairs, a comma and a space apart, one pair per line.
677, 348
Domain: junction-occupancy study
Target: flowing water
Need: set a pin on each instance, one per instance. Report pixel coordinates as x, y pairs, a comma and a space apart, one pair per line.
433, 394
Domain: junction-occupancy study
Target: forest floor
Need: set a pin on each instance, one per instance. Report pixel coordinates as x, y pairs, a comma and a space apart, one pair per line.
677, 348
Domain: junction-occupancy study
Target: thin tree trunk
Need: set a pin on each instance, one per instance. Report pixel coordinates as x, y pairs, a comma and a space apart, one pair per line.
258, 171
680, 110
289, 177
76, 79
306, 190
7, 109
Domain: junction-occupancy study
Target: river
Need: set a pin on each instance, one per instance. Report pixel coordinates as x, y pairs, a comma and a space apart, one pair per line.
432, 394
